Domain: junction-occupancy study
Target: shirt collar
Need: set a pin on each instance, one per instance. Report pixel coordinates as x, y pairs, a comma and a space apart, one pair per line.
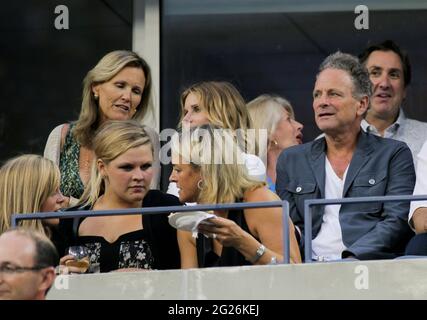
392, 128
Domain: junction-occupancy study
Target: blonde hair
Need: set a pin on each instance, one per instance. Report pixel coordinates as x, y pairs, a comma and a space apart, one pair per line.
112, 140
214, 152
107, 68
266, 112
25, 184
225, 108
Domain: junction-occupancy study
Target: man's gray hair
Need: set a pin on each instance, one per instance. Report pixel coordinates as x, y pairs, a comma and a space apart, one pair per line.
357, 72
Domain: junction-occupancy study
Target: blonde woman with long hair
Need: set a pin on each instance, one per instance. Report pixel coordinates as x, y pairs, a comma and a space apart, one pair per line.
220, 104
117, 88
209, 168
28, 184
120, 179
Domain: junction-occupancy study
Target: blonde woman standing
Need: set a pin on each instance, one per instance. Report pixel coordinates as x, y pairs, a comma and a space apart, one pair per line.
117, 88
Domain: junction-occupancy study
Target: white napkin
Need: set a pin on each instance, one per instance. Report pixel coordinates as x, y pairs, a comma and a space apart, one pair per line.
189, 221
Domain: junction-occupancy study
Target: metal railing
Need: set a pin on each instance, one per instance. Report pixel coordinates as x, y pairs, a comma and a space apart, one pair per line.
319, 202
158, 210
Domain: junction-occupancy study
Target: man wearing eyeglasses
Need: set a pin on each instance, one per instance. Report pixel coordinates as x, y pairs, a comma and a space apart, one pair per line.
27, 265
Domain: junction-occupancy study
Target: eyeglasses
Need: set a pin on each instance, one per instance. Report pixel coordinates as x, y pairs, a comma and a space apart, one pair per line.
10, 269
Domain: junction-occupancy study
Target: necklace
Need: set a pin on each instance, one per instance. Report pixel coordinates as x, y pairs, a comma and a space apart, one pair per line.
85, 162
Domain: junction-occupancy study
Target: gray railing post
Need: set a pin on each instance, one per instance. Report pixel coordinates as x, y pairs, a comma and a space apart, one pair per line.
286, 235
158, 210
307, 231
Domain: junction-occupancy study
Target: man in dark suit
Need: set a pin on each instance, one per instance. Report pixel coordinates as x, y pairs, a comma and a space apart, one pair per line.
348, 162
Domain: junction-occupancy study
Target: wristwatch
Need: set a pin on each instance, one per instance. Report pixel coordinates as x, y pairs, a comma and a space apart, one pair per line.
259, 253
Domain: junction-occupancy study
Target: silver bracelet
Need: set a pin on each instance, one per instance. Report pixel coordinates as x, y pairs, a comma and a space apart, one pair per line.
259, 253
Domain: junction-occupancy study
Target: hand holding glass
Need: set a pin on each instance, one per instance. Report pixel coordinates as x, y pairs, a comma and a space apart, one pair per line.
81, 258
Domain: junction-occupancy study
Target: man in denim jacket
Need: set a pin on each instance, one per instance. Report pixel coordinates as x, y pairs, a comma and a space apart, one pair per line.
348, 162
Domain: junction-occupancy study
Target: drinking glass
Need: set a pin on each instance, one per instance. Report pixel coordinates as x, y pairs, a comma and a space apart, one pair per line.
81, 258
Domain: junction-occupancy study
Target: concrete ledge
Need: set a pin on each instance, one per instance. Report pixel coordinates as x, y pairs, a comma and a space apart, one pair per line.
386, 279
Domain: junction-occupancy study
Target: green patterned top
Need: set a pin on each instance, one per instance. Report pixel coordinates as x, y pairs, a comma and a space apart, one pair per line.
71, 184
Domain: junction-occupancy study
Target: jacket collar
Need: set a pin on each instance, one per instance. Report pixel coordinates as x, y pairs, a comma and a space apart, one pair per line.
317, 162
361, 155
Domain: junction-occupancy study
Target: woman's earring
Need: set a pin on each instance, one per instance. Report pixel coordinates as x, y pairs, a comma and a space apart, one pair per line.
95, 95
199, 184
